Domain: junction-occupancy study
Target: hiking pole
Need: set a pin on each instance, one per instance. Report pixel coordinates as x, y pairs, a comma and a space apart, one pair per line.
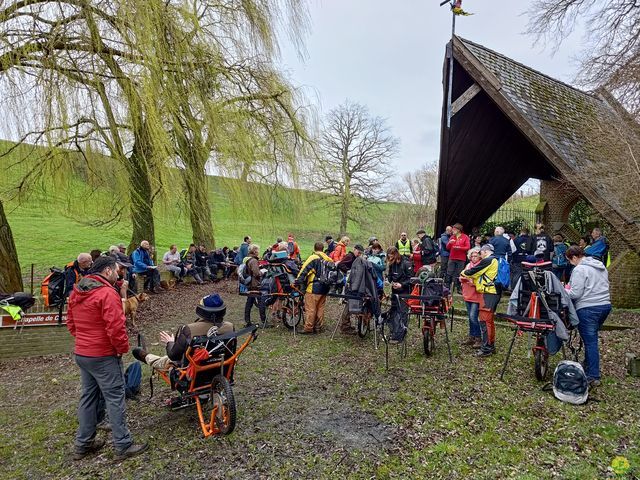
506, 359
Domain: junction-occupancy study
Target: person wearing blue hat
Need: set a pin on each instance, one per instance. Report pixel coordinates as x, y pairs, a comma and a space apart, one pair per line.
210, 322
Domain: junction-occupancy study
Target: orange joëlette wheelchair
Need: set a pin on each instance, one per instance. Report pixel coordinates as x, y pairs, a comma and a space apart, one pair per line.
206, 379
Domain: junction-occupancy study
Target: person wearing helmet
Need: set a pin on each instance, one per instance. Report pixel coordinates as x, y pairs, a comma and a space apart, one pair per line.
210, 322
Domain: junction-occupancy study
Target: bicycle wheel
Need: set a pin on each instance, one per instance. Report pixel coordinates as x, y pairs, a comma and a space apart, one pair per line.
364, 324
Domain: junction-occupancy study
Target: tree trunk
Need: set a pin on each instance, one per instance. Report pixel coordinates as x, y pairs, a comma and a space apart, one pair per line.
344, 212
141, 198
195, 180
10, 276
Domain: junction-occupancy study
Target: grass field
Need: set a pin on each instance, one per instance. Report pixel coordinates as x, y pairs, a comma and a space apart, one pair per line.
51, 226
313, 407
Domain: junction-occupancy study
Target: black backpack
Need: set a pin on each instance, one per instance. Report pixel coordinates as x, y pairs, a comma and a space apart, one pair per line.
325, 272
52, 289
428, 250
570, 383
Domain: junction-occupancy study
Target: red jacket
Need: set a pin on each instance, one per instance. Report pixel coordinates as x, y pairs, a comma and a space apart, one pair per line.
458, 247
469, 292
96, 318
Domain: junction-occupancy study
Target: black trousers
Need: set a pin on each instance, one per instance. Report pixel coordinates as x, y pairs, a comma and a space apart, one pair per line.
257, 300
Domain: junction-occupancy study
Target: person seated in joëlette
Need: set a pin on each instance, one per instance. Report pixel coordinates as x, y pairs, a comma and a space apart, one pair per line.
210, 322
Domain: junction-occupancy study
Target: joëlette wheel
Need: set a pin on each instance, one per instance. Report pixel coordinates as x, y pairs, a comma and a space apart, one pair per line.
223, 405
363, 324
541, 364
427, 341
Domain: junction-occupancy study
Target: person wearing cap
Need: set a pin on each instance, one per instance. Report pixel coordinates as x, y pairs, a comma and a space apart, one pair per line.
331, 244
96, 320
404, 246
316, 292
484, 275
210, 311
458, 246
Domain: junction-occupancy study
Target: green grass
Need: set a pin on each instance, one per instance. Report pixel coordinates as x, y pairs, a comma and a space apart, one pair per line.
313, 407
51, 225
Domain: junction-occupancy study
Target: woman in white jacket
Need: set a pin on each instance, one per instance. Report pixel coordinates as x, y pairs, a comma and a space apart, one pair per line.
589, 290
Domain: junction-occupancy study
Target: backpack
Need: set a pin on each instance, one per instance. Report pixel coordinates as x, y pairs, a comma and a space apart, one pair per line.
243, 274
324, 271
132, 380
504, 273
428, 253
570, 383
559, 258
52, 289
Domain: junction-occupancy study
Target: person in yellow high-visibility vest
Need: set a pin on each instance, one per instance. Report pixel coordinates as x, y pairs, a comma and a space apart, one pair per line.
404, 246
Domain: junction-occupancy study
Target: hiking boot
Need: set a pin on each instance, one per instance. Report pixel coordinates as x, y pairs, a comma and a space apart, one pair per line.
104, 426
80, 453
306, 332
318, 330
477, 343
593, 384
485, 353
132, 451
139, 354
468, 342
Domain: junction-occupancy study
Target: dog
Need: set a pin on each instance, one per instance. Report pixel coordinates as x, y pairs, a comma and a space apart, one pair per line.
131, 308
168, 284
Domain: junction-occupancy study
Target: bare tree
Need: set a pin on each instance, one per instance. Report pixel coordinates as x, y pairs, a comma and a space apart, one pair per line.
420, 189
355, 150
611, 57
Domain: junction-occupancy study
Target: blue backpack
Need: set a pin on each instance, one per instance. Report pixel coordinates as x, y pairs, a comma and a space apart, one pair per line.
504, 273
132, 380
559, 252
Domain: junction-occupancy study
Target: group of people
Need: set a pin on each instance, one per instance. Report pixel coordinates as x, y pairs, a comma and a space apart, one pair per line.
96, 285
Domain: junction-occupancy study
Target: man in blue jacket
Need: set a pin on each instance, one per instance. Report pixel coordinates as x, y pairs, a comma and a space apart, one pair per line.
501, 246
444, 254
599, 247
143, 265
243, 251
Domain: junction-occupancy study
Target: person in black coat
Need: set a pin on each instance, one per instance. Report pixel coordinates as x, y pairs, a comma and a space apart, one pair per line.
399, 276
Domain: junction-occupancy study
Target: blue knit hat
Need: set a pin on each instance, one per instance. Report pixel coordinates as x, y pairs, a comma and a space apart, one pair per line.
213, 302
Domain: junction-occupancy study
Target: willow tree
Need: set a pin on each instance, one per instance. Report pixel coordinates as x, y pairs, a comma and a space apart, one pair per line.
223, 98
73, 65
10, 275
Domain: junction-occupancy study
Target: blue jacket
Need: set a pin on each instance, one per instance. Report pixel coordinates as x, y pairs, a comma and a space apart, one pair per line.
597, 248
242, 253
501, 246
141, 260
444, 239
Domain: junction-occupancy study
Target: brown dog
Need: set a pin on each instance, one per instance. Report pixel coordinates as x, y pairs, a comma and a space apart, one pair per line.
168, 284
131, 308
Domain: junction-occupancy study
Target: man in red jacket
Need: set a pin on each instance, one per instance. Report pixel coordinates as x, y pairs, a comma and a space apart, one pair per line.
458, 246
96, 320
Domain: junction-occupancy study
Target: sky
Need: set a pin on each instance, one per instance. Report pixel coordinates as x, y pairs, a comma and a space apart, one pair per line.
388, 55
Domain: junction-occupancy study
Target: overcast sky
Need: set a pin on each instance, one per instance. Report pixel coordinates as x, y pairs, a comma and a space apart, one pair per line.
388, 55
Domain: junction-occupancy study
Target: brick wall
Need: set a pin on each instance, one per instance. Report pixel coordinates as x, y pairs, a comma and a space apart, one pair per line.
624, 277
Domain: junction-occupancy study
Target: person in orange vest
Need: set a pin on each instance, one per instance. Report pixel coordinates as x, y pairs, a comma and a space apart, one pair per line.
74, 271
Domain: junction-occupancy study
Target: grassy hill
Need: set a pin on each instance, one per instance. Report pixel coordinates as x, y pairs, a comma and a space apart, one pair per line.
52, 224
